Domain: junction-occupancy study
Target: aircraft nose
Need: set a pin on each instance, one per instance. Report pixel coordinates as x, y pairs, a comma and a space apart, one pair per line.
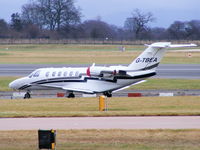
16, 84
12, 85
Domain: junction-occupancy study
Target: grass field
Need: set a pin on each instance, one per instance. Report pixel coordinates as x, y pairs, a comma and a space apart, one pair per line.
4, 82
153, 84
106, 140
83, 54
168, 84
144, 106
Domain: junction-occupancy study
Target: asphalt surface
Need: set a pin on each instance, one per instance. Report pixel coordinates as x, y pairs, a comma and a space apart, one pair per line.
123, 93
66, 123
180, 71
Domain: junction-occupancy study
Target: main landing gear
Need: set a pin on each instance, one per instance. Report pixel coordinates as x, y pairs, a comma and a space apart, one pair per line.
108, 94
27, 95
71, 95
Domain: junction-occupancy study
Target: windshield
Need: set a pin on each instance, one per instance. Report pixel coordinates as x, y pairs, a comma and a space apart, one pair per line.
35, 74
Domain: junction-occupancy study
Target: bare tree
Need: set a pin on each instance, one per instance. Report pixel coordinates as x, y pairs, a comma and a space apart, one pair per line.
16, 22
31, 14
158, 33
51, 14
3, 28
98, 29
138, 22
31, 31
192, 29
177, 30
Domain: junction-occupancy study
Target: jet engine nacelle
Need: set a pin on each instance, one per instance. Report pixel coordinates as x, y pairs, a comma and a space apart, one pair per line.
100, 71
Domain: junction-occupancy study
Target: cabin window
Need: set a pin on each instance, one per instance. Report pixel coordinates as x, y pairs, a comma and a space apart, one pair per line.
47, 74
37, 74
77, 74
65, 74
54, 74
59, 73
71, 74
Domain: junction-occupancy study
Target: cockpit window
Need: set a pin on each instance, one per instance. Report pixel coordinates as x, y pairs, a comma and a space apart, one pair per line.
36, 74
31, 75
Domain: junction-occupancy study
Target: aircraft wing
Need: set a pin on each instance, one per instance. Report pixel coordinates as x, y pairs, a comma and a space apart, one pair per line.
69, 89
48, 86
78, 90
129, 86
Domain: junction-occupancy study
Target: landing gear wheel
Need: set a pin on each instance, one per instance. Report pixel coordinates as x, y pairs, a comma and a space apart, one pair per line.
108, 94
71, 95
27, 95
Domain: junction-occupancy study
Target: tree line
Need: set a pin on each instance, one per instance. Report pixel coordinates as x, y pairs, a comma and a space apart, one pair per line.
58, 19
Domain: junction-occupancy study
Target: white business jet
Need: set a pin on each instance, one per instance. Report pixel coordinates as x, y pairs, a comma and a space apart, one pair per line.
96, 79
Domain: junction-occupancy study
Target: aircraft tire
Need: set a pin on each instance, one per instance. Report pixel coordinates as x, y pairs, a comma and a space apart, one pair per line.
27, 95
71, 95
108, 94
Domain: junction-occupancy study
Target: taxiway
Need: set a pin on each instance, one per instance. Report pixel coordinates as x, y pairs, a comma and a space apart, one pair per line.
66, 123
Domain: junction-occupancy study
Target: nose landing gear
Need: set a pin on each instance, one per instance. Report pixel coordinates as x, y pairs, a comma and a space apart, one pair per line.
27, 95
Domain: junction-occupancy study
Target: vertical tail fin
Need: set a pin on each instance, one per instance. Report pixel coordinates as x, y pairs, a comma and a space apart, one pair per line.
152, 56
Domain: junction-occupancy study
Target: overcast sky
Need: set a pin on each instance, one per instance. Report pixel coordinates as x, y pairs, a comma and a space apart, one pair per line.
116, 11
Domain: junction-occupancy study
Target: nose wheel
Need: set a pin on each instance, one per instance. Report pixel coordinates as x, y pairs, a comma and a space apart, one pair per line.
27, 95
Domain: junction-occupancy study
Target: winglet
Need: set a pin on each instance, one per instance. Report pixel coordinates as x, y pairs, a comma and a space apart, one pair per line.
182, 45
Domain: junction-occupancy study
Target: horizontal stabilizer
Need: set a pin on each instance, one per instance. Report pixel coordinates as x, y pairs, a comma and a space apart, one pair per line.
182, 45
169, 45
160, 45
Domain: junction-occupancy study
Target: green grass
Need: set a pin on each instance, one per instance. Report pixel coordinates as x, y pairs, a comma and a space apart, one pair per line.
145, 106
181, 60
3, 54
168, 84
68, 47
106, 140
151, 84
82, 54
4, 82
